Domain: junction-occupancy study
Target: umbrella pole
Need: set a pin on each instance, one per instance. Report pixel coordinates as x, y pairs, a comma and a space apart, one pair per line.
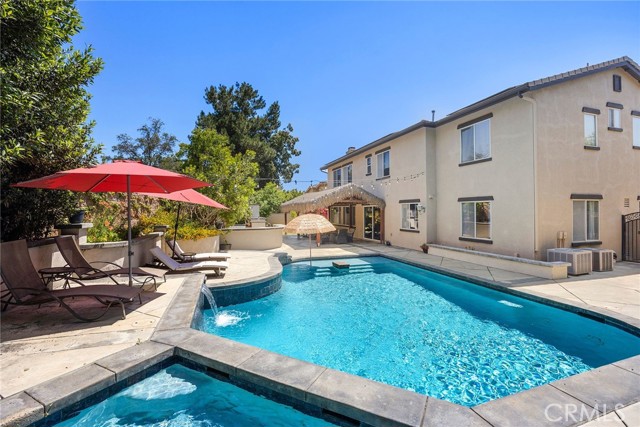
175, 232
129, 253
309, 249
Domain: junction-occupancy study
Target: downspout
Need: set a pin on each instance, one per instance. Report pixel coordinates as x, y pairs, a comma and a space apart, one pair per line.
534, 118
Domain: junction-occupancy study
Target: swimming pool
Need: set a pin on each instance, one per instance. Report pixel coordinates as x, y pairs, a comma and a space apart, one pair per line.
178, 396
421, 331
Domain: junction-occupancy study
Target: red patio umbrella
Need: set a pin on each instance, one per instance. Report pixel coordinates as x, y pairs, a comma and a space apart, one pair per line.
186, 196
120, 176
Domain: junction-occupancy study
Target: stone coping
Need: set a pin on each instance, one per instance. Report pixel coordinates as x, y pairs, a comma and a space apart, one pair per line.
122, 243
275, 270
336, 395
245, 228
75, 226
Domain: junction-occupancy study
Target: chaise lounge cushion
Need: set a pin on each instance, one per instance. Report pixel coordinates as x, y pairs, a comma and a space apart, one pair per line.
174, 265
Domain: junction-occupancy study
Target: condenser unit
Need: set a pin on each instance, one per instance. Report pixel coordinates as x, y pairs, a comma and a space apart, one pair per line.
579, 259
602, 259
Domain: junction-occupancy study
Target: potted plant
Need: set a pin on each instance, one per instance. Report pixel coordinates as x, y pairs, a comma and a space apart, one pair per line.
224, 245
425, 248
77, 217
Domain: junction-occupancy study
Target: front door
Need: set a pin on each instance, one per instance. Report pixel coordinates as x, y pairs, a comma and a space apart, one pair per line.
371, 223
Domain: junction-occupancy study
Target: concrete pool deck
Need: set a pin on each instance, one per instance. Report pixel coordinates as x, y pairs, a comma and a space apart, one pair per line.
42, 346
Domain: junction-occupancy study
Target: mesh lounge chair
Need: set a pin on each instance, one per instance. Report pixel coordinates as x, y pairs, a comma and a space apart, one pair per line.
183, 256
25, 287
217, 266
85, 271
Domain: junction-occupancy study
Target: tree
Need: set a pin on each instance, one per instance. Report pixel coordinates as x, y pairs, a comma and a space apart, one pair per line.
153, 147
208, 157
237, 115
271, 196
45, 105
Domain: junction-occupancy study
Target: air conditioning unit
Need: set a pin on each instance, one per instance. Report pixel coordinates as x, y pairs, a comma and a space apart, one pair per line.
579, 259
602, 259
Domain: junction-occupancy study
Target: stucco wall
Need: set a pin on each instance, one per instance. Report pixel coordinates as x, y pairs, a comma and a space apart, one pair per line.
507, 177
254, 238
407, 181
566, 167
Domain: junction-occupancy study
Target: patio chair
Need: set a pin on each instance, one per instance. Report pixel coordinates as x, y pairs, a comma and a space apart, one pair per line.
25, 287
182, 256
83, 269
350, 234
217, 266
342, 236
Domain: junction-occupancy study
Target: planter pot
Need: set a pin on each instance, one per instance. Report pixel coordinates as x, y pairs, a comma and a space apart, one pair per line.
224, 247
77, 217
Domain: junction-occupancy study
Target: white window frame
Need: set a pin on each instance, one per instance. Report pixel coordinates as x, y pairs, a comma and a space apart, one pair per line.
615, 118
409, 216
368, 162
636, 131
473, 127
380, 164
576, 239
337, 177
475, 222
595, 129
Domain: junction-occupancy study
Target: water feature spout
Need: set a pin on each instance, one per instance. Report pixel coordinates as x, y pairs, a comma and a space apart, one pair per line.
210, 299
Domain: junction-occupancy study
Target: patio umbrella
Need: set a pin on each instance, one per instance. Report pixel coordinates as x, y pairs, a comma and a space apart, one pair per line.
120, 176
309, 224
186, 196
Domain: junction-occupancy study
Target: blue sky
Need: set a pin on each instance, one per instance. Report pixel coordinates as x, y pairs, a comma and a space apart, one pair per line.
344, 73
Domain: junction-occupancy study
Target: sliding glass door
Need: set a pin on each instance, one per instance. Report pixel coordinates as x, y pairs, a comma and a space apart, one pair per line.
371, 223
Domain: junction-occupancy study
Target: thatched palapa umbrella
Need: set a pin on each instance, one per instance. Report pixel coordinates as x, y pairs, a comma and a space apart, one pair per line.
309, 224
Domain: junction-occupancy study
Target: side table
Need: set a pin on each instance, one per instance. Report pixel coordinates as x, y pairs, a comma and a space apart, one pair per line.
51, 274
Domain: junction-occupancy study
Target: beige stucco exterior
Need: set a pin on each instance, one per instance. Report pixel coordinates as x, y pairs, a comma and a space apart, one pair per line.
538, 161
507, 178
407, 181
565, 167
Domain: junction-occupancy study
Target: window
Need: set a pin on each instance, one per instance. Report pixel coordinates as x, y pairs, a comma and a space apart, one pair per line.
636, 132
590, 134
368, 160
409, 216
586, 220
382, 160
337, 177
342, 175
614, 118
617, 83
342, 215
475, 142
476, 220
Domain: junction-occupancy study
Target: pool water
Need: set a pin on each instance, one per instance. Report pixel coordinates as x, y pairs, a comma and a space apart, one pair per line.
181, 397
421, 331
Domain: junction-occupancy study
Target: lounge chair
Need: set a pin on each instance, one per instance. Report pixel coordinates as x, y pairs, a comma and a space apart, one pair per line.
26, 287
217, 266
182, 256
83, 269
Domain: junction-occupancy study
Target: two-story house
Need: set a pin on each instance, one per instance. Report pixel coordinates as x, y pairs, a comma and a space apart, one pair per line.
550, 163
